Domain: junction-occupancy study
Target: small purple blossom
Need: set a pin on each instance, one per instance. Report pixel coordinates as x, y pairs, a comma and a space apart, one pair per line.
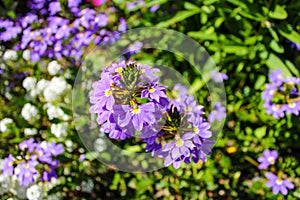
218, 76
269, 157
218, 113
8, 165
277, 184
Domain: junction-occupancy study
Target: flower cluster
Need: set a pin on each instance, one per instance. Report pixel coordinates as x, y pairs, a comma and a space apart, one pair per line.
129, 99
61, 33
281, 96
33, 158
274, 181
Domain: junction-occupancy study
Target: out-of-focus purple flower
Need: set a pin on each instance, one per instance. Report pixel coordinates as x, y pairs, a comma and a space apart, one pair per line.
82, 157
123, 25
279, 95
48, 175
74, 3
27, 144
218, 76
277, 184
218, 113
154, 8
28, 19
27, 172
54, 7
1, 71
269, 157
8, 165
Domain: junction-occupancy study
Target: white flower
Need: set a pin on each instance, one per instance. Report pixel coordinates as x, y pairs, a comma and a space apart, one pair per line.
30, 131
56, 87
53, 67
41, 85
55, 112
26, 54
99, 145
34, 192
4, 184
59, 129
4, 122
29, 112
10, 55
29, 83
59, 83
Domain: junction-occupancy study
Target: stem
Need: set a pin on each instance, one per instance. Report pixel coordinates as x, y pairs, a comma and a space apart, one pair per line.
252, 161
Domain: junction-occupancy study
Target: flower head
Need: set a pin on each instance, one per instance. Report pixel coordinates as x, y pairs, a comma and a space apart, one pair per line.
269, 157
277, 184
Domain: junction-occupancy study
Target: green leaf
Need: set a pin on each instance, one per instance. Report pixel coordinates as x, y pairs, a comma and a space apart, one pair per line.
180, 16
259, 82
260, 132
190, 6
273, 62
238, 50
292, 67
276, 47
278, 13
292, 36
202, 36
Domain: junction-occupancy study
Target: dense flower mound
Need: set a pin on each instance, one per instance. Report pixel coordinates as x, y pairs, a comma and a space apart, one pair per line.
53, 31
281, 95
130, 101
36, 160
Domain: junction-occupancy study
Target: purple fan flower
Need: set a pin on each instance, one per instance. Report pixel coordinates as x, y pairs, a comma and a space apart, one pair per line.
102, 94
218, 76
8, 165
277, 184
218, 113
139, 115
42, 154
180, 147
54, 7
27, 144
269, 157
48, 175
156, 92
55, 149
27, 172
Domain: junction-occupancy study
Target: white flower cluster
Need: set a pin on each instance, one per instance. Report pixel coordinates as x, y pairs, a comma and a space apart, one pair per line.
4, 122
54, 94
29, 112
10, 55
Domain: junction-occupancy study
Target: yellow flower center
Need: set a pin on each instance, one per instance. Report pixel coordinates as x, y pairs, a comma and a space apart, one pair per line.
179, 142
108, 92
118, 70
11, 163
136, 110
27, 165
292, 105
272, 92
196, 129
40, 153
279, 181
275, 107
151, 90
271, 160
